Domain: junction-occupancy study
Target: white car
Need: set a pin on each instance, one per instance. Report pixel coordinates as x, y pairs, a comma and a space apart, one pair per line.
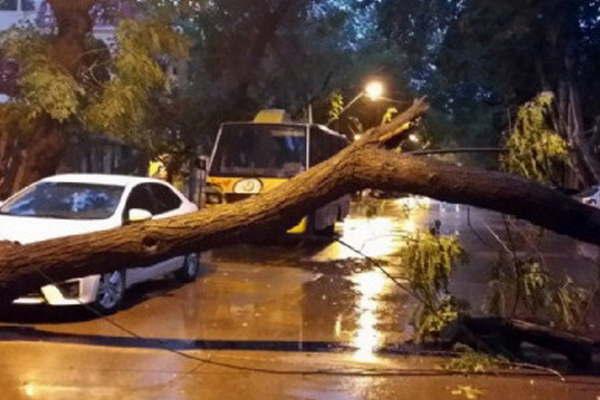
72, 204
591, 196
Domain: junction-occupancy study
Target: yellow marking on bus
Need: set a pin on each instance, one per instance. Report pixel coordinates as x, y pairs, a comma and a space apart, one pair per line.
226, 184
302, 227
272, 116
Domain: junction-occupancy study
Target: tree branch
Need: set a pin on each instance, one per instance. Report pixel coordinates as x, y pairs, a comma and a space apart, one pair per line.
363, 164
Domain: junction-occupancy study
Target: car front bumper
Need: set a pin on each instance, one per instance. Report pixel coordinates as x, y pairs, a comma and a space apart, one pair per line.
57, 295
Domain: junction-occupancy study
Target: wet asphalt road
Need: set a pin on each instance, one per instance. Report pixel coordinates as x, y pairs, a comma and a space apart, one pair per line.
299, 306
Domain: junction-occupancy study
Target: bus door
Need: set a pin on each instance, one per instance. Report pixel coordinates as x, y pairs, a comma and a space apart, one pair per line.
324, 144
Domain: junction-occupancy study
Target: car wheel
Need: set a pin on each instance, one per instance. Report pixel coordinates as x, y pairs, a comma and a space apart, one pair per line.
190, 269
111, 290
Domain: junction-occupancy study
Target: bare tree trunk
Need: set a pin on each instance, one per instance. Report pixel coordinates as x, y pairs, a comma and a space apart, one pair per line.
366, 163
268, 25
41, 155
576, 132
9, 160
584, 159
74, 24
27, 158
579, 169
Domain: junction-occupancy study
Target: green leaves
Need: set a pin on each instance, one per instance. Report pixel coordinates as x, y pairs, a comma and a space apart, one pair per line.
429, 260
45, 86
48, 90
389, 115
472, 362
535, 150
150, 38
524, 287
126, 106
336, 105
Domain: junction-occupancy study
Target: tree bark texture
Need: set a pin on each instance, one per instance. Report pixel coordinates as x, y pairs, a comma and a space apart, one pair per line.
584, 158
25, 159
366, 163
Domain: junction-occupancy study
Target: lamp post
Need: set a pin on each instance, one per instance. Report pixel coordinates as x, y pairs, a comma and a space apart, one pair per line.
373, 90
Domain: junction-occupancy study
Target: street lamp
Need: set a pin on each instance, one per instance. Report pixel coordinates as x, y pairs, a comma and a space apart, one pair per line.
373, 90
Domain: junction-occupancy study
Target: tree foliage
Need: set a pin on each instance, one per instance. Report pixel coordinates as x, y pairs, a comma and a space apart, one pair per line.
478, 61
521, 282
126, 105
45, 86
535, 150
429, 260
116, 92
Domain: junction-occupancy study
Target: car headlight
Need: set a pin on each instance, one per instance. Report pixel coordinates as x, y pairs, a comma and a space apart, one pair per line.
69, 290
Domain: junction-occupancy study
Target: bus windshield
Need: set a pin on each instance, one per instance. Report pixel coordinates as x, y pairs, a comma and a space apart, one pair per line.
260, 150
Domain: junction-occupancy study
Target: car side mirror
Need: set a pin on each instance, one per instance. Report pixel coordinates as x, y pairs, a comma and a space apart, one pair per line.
138, 215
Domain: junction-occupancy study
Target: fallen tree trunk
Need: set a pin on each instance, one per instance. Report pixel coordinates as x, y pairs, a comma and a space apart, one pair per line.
505, 336
366, 163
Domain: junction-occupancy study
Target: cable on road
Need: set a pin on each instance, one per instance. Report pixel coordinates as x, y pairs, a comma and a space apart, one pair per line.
362, 372
475, 232
377, 264
381, 268
354, 372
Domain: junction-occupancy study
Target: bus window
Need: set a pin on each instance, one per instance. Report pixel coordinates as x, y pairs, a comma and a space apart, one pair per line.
260, 150
324, 145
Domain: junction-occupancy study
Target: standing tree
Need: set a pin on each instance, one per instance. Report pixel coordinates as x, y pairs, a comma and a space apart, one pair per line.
248, 55
70, 82
480, 60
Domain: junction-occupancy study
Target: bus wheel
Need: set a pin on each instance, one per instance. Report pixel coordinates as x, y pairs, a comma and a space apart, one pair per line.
328, 231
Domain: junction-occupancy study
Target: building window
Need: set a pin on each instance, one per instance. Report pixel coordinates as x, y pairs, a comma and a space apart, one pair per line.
27, 5
8, 5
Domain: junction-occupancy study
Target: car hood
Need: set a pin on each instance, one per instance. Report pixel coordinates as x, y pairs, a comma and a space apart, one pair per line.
27, 230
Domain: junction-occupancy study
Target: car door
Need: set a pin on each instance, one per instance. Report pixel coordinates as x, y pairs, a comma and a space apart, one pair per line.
168, 204
141, 197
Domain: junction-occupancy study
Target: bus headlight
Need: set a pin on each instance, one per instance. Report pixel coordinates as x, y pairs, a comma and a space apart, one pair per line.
213, 198
248, 186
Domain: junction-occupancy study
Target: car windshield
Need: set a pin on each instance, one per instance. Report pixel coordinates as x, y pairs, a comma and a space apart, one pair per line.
253, 150
65, 200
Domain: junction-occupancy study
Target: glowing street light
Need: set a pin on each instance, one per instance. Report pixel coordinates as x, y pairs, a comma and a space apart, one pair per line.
373, 90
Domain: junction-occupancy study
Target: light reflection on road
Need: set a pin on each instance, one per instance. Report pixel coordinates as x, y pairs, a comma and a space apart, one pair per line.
367, 339
375, 237
378, 236
371, 236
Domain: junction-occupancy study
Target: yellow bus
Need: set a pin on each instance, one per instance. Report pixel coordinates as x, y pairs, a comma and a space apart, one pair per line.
249, 158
